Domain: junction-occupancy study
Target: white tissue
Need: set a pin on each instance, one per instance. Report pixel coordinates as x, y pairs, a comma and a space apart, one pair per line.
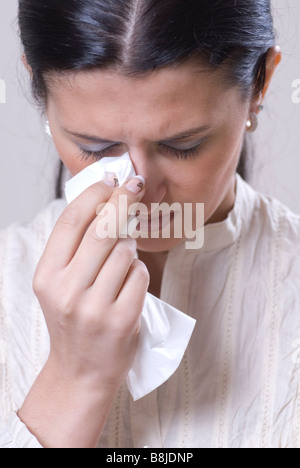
107, 167
165, 331
164, 337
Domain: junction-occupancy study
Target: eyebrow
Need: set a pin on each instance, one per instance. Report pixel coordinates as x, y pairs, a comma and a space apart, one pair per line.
175, 138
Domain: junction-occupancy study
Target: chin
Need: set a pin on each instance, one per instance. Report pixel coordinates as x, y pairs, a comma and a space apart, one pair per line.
157, 245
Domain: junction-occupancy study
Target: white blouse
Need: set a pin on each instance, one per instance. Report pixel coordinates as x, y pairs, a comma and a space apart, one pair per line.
238, 384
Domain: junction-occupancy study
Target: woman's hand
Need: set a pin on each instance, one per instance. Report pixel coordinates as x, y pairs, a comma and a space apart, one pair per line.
92, 291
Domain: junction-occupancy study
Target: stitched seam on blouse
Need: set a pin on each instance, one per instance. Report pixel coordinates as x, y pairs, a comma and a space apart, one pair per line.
296, 420
227, 347
37, 325
186, 369
7, 385
269, 388
116, 420
3, 332
186, 414
296, 434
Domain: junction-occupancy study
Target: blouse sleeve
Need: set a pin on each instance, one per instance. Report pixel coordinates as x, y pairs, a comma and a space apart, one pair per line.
24, 341
16, 435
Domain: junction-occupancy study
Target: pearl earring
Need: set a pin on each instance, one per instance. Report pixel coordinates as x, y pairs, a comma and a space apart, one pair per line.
47, 129
252, 123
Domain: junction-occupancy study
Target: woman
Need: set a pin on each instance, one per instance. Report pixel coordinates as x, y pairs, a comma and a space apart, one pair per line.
177, 84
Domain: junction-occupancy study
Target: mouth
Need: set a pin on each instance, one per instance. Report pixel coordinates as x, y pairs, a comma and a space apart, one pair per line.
155, 223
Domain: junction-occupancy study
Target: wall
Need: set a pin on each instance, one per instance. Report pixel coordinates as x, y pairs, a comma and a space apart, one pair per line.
277, 141
28, 161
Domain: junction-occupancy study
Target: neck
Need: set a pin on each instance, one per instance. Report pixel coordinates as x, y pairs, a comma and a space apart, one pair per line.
226, 205
155, 262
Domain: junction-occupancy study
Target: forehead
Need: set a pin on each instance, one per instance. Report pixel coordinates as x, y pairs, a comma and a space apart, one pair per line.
162, 99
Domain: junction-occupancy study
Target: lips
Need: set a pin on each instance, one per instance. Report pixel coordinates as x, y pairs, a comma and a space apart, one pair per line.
152, 223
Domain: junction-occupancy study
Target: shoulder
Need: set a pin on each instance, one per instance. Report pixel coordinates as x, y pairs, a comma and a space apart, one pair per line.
283, 222
46, 218
21, 247
271, 216
274, 232
271, 235
23, 334
18, 239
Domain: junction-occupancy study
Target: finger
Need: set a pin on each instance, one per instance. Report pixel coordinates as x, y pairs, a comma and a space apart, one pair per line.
72, 224
97, 244
132, 296
111, 278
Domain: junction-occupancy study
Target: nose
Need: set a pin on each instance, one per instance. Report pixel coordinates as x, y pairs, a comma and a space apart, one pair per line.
148, 166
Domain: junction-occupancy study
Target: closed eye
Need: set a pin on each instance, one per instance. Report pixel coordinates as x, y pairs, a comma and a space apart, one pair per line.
85, 154
183, 154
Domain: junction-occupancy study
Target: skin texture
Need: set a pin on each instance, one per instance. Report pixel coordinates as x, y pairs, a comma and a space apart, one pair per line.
140, 114
92, 309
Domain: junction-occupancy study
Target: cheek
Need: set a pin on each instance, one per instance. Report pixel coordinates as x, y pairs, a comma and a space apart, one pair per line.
206, 178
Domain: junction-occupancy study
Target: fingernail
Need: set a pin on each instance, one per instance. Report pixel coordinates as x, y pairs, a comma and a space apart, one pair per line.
111, 182
136, 185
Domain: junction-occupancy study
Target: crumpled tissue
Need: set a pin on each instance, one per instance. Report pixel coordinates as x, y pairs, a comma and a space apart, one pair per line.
165, 331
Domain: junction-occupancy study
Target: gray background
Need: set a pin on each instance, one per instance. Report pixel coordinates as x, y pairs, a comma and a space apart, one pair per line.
28, 160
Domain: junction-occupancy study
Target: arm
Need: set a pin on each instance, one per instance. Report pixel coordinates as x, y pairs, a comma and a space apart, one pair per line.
66, 413
92, 292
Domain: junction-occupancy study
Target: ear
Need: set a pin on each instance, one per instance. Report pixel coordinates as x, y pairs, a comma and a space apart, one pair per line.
274, 58
26, 65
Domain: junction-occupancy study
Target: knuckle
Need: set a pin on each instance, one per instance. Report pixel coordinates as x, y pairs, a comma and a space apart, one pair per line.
40, 279
121, 326
100, 190
99, 236
53, 292
64, 302
104, 229
142, 270
126, 325
38, 284
125, 250
70, 218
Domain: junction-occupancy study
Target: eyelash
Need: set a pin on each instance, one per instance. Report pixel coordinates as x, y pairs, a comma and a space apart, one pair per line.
180, 154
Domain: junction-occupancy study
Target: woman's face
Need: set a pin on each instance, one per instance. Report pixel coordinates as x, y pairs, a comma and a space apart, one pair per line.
183, 131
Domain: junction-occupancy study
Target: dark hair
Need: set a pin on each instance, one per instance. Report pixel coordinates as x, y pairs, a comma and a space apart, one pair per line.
138, 36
